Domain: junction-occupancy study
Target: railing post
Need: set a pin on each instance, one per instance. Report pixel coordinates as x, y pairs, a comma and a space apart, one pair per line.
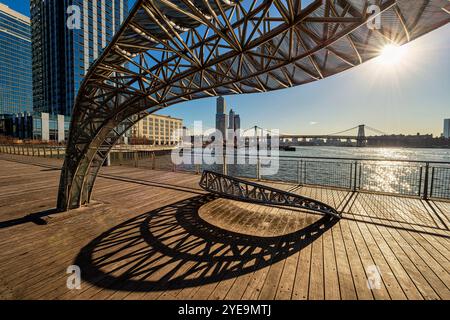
304, 171
45, 155
359, 176
425, 184
258, 168
299, 169
432, 182
354, 176
420, 181
224, 166
153, 161
107, 161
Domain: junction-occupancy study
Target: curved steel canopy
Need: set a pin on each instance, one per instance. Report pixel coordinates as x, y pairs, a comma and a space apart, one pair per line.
170, 51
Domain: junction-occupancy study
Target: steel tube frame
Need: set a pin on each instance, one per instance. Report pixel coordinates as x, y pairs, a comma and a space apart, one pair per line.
243, 190
170, 51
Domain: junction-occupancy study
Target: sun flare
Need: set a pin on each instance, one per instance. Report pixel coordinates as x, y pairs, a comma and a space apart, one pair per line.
392, 54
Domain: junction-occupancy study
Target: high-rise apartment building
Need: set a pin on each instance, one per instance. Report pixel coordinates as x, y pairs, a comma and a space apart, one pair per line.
447, 128
237, 122
67, 36
158, 130
231, 120
221, 117
15, 62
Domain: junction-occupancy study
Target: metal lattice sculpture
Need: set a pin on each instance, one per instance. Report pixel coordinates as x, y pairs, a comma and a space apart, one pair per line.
170, 51
242, 190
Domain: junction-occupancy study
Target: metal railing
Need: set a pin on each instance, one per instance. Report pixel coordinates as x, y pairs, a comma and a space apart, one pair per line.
45, 151
425, 179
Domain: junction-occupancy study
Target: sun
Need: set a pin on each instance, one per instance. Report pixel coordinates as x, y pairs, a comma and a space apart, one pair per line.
392, 54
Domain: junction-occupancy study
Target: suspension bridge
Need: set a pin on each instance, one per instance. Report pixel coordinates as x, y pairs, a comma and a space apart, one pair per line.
171, 51
357, 134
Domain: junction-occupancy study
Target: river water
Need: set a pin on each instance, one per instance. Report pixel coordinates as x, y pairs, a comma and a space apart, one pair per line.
402, 177
420, 154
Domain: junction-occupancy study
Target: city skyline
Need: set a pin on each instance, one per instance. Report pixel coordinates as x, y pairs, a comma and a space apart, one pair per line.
335, 186
414, 97
408, 98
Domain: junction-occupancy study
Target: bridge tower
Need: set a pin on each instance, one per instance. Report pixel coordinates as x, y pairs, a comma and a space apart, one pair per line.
361, 138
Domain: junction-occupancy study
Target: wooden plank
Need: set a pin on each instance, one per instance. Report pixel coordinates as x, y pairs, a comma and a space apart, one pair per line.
407, 239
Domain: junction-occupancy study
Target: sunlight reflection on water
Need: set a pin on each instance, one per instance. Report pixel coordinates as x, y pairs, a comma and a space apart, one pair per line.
420, 154
381, 176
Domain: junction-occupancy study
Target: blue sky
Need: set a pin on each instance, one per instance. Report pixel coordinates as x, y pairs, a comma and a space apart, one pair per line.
413, 97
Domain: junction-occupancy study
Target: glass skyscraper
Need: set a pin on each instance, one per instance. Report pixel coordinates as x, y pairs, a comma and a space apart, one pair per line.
62, 54
15, 62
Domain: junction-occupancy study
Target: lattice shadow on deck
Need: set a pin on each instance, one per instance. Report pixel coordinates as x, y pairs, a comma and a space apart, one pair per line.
173, 248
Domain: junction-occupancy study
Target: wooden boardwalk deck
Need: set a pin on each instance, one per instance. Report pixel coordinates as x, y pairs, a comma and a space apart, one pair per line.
156, 235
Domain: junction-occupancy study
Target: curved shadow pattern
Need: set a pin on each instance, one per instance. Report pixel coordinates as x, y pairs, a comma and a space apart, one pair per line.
173, 248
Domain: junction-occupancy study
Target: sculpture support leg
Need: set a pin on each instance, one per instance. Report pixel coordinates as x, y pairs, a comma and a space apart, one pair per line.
80, 169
